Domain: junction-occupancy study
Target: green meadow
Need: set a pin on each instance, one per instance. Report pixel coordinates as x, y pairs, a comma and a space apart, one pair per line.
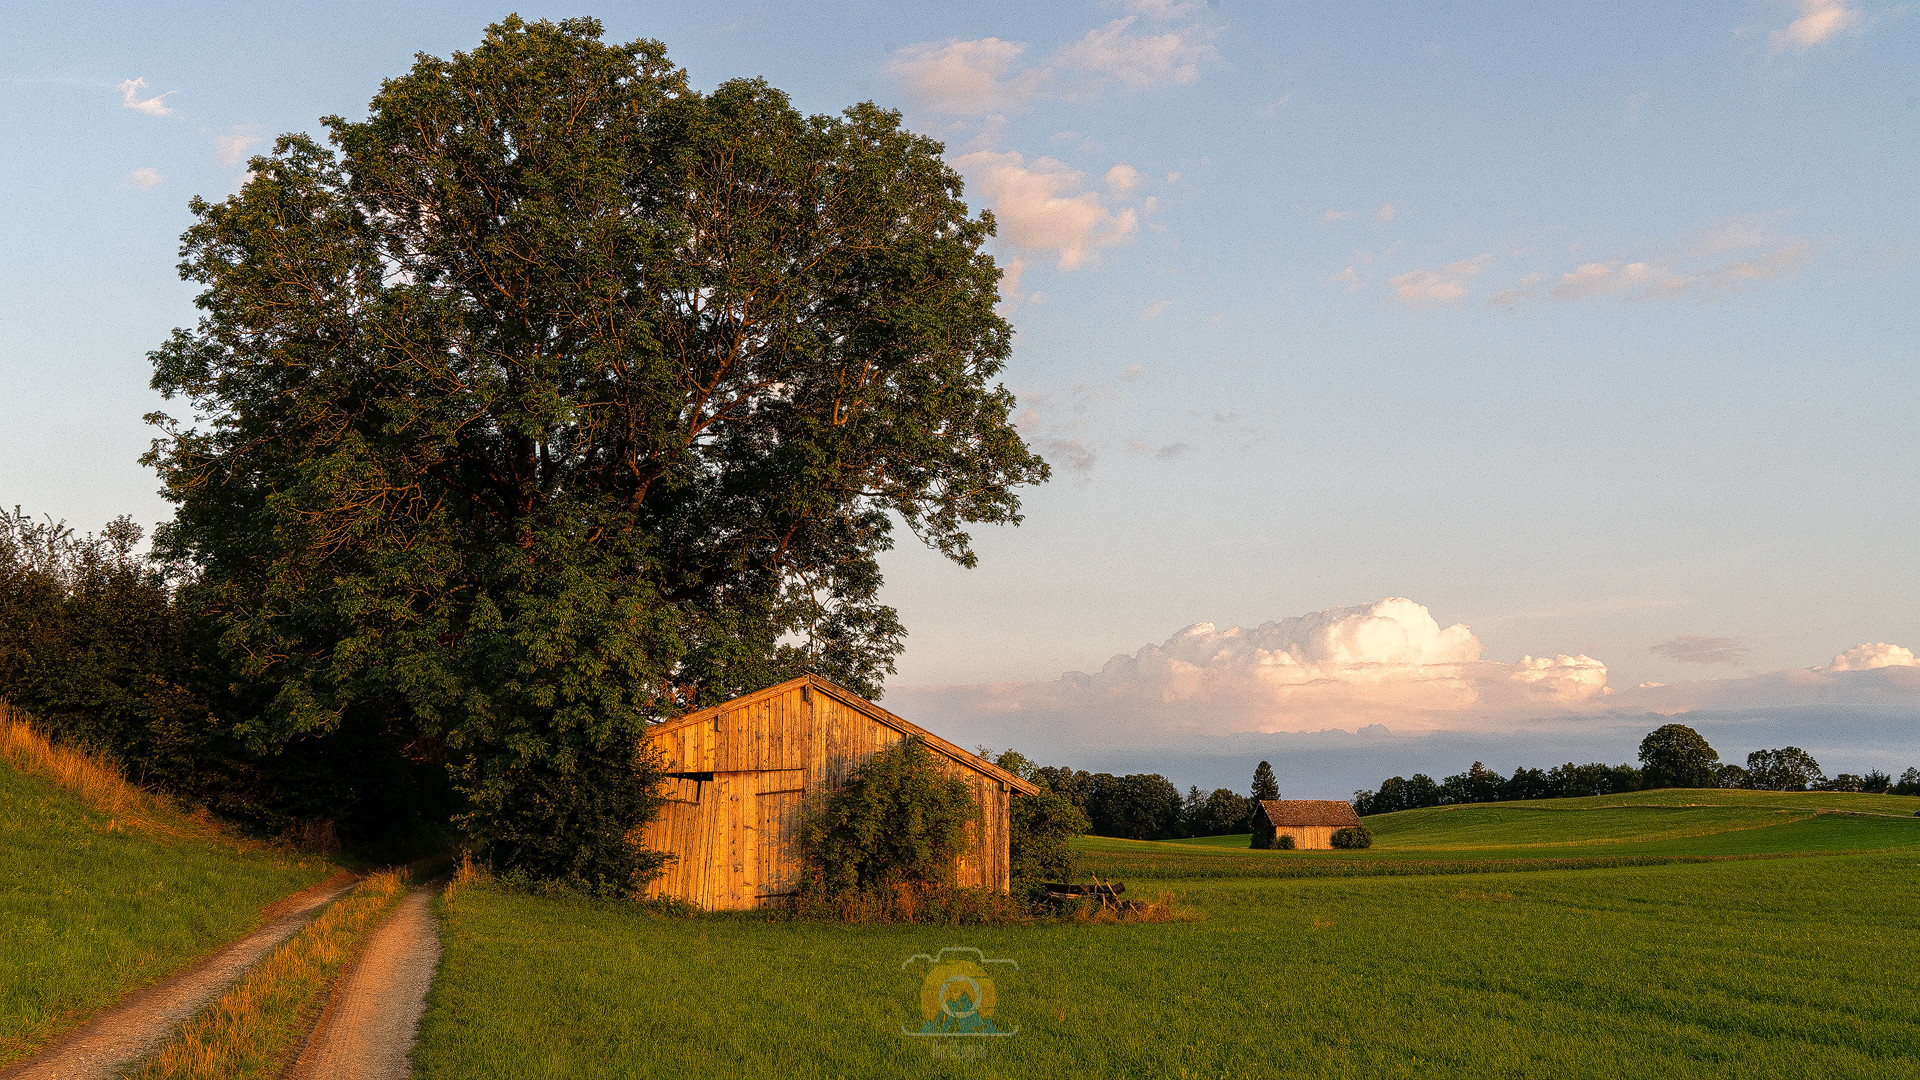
1669, 934
90, 908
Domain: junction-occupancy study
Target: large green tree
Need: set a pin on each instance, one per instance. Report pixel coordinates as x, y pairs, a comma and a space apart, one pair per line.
556, 396
1675, 755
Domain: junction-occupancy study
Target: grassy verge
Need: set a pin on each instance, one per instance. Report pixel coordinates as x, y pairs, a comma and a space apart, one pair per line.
105, 888
251, 1032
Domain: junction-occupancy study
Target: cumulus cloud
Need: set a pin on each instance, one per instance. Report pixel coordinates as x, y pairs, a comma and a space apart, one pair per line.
1447, 285
1045, 206
1120, 53
1820, 20
1387, 661
984, 76
966, 78
144, 177
1123, 178
1876, 655
153, 106
1702, 650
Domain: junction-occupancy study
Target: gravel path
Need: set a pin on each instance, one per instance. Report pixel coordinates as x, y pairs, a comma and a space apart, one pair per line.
367, 1029
135, 1028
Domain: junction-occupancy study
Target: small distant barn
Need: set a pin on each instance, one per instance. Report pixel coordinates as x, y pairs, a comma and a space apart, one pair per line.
1311, 822
737, 772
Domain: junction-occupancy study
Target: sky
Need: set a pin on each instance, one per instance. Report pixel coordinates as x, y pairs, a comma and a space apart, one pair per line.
1429, 371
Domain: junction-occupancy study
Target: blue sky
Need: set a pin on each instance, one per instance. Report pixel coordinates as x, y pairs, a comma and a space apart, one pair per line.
1592, 328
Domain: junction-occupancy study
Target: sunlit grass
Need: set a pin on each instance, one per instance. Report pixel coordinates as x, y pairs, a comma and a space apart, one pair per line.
97, 902
1778, 966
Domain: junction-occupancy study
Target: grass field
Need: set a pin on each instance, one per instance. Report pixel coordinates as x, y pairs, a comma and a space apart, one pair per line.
1449, 963
92, 906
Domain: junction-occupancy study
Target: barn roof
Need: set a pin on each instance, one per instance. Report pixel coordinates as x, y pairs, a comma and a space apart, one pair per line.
874, 712
1284, 812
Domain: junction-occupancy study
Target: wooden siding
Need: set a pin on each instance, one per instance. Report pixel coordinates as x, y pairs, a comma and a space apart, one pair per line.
1308, 837
732, 823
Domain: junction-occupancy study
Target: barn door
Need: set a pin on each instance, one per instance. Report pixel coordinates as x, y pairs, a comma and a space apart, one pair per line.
779, 827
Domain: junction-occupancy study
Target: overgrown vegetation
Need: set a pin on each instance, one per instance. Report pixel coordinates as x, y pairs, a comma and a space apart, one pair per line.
898, 821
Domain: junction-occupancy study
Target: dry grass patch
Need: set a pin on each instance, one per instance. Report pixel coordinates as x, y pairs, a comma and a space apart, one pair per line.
252, 1031
97, 782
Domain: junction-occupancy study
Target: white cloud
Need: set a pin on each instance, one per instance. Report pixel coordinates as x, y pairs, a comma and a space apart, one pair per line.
1045, 206
1275, 105
1877, 655
1820, 20
1385, 213
144, 177
1387, 661
1661, 280
1335, 215
1732, 254
1350, 277
983, 77
154, 106
1123, 178
1447, 285
1117, 53
966, 78
232, 148
1156, 309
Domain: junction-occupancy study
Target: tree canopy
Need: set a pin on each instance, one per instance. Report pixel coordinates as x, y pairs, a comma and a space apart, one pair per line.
1675, 755
556, 396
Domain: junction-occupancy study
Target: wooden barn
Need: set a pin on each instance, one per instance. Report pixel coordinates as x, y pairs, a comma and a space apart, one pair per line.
737, 773
1311, 822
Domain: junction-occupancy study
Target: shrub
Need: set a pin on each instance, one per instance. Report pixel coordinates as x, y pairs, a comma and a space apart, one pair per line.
898, 820
1038, 852
1283, 842
1353, 837
1261, 841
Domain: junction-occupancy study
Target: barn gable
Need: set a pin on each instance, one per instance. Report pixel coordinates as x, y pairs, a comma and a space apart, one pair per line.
737, 772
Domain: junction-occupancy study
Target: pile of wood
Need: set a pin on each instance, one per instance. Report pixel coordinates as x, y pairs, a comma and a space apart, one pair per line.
1060, 894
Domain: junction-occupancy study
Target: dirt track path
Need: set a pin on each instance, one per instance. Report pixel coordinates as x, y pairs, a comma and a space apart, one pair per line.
367, 1029
135, 1028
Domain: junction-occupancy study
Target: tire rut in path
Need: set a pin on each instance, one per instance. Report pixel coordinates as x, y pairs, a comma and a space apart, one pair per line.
366, 1031
131, 1030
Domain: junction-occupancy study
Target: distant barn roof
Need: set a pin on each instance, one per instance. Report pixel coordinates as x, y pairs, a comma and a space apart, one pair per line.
1285, 812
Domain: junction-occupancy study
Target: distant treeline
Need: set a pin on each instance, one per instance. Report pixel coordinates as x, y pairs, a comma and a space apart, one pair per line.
1146, 806
1673, 756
